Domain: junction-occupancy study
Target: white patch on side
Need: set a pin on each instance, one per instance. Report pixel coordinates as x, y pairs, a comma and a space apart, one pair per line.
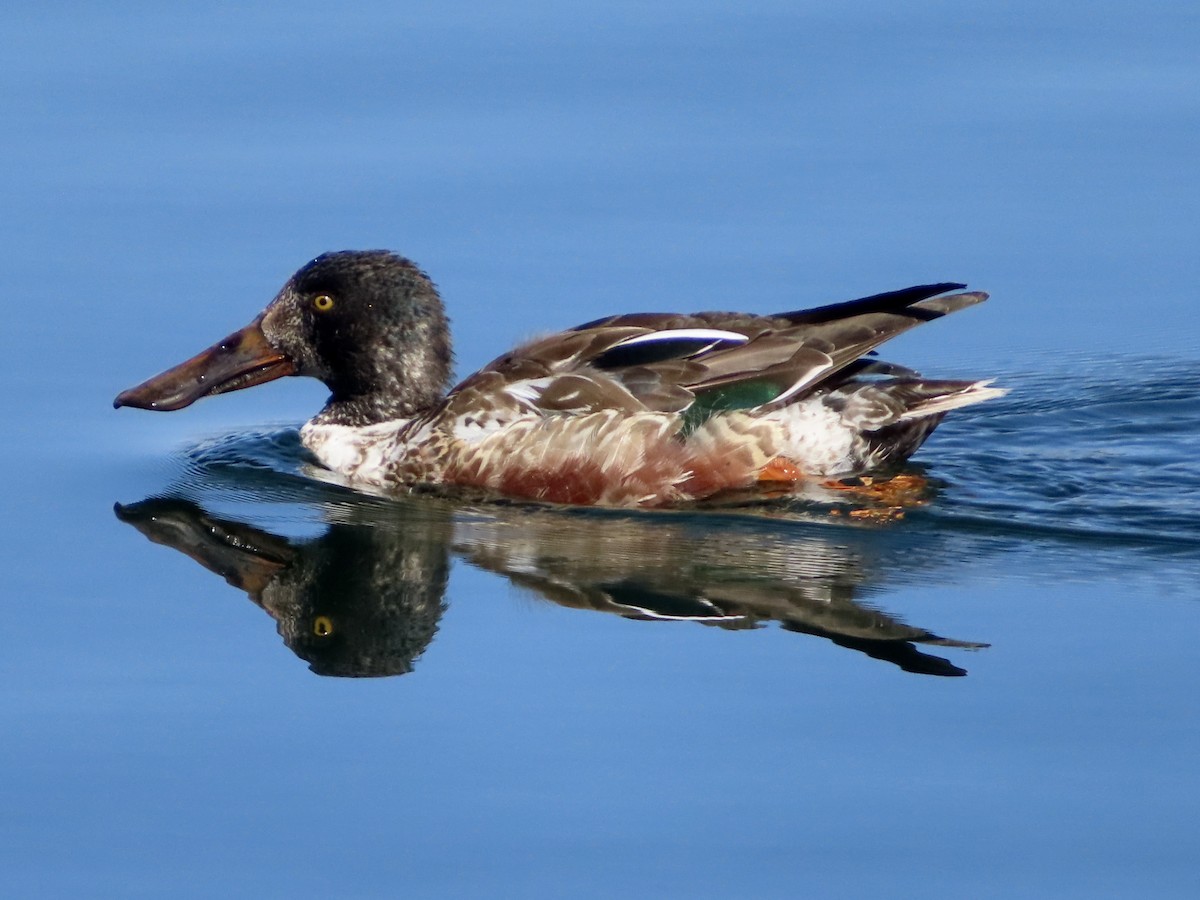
358, 452
817, 439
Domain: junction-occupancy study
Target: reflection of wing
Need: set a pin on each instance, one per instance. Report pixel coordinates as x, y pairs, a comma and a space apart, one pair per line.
646, 567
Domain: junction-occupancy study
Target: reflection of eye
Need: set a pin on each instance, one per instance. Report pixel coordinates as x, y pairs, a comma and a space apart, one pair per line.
322, 626
323, 303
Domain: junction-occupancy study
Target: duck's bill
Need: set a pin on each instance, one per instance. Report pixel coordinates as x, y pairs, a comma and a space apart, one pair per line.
242, 360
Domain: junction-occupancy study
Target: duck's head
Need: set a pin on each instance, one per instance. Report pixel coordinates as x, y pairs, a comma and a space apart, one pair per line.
368, 323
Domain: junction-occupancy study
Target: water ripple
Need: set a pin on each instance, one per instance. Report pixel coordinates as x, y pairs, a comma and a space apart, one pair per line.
1101, 449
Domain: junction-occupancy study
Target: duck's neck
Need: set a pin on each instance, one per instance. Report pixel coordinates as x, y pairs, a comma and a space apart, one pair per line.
402, 382
368, 409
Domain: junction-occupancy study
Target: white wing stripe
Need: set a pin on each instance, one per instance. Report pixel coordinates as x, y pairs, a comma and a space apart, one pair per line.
806, 381
529, 390
684, 334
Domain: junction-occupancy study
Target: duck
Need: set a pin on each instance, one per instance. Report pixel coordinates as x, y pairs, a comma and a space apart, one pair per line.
631, 410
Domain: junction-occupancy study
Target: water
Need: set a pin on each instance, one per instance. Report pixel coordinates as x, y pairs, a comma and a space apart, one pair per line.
991, 693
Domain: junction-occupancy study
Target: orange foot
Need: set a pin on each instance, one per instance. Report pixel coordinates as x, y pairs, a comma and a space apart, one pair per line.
780, 469
892, 495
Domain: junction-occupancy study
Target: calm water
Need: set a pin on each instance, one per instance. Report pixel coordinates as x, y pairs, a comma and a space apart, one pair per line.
994, 693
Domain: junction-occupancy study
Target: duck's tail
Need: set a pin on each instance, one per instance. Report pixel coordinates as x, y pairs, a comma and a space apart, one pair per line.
929, 398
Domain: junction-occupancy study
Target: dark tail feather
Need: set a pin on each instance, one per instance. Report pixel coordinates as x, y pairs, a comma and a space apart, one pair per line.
892, 301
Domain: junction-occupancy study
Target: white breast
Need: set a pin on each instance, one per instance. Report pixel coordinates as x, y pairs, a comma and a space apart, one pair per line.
358, 452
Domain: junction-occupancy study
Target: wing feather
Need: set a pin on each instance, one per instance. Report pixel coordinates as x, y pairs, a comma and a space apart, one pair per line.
663, 361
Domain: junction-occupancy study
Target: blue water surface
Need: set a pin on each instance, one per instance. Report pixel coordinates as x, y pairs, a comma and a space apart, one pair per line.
992, 695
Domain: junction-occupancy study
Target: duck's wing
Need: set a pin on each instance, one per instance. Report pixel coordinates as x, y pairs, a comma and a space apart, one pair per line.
666, 362
825, 341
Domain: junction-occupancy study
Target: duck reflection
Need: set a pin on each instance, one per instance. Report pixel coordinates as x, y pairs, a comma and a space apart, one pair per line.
365, 597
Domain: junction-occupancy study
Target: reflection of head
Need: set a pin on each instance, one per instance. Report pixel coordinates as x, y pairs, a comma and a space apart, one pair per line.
361, 601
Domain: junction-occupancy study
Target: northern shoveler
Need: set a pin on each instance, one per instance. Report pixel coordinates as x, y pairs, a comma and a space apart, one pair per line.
643, 409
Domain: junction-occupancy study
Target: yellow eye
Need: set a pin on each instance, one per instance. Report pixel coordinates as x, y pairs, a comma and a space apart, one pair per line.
322, 626
323, 303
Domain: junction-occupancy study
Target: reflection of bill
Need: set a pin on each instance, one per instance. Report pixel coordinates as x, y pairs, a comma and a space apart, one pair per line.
365, 598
